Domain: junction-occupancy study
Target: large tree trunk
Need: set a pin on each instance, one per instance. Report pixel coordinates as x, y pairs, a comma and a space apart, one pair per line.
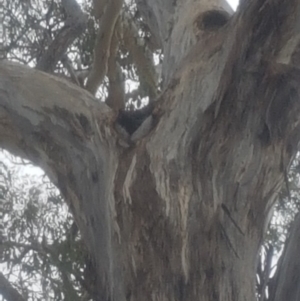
179, 214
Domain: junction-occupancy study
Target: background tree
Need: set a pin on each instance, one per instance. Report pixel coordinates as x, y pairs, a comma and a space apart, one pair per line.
172, 201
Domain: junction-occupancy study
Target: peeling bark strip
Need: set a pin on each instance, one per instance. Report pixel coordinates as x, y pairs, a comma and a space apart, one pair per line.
179, 214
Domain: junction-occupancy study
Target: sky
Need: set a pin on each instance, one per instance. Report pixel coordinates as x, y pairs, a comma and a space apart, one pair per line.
233, 3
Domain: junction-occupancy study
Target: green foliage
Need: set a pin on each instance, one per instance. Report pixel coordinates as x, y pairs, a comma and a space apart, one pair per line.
28, 28
285, 211
43, 255
286, 208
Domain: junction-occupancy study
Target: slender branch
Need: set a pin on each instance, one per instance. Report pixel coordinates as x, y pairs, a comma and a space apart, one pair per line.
285, 285
116, 89
141, 57
8, 291
98, 7
103, 44
74, 26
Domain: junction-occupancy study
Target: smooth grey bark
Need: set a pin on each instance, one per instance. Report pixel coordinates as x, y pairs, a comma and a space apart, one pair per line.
175, 25
64, 129
179, 214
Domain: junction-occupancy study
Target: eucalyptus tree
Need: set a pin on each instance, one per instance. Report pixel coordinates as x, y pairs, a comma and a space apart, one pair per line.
172, 201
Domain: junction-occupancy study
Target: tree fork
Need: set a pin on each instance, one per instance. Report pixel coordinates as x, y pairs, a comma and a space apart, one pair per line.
152, 212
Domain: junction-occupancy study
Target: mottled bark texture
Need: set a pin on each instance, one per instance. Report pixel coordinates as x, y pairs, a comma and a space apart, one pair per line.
179, 214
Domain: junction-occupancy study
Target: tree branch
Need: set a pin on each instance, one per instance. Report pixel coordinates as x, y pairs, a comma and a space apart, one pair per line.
285, 285
141, 57
160, 16
75, 110
8, 291
74, 26
116, 88
103, 44
63, 129
98, 7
